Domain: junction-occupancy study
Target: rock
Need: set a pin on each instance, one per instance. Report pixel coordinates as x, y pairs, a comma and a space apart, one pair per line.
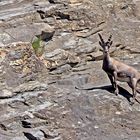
53, 54
75, 1
19, 62
56, 1
50, 135
6, 94
34, 135
25, 33
133, 50
5, 38
69, 44
19, 138
45, 35
60, 57
75, 81
31, 86
62, 69
63, 93
25, 87
91, 32
85, 47
137, 11
96, 56
33, 123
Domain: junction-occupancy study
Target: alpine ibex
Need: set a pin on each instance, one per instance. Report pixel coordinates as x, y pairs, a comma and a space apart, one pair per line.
118, 71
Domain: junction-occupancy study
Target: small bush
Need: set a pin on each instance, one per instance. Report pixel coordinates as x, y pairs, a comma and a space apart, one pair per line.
37, 46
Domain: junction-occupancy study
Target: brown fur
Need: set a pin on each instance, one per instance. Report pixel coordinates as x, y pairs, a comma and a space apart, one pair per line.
118, 71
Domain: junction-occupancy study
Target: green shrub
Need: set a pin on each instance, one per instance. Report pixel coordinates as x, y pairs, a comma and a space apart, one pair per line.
37, 46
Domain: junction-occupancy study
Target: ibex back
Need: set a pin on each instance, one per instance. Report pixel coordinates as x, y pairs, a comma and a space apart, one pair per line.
118, 71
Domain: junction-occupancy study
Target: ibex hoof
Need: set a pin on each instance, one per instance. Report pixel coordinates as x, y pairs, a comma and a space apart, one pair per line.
116, 92
131, 103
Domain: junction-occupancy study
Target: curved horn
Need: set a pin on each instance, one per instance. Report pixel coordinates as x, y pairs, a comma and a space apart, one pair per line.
101, 38
109, 39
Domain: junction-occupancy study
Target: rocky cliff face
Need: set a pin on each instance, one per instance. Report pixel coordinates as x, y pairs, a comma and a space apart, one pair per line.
38, 98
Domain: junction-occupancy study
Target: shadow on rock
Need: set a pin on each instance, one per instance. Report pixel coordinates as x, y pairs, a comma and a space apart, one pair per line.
110, 89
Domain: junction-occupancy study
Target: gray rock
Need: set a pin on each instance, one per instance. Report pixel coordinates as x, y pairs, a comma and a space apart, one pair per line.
34, 135
85, 46
6, 94
64, 93
33, 123
70, 44
75, 81
51, 135
25, 33
60, 57
19, 138
5, 38
61, 69
56, 53
31, 86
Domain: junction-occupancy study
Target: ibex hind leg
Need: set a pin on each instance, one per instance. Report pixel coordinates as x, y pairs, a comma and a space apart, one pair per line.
133, 85
137, 88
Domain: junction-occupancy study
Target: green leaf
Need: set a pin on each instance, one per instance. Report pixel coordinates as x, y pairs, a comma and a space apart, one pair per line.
36, 43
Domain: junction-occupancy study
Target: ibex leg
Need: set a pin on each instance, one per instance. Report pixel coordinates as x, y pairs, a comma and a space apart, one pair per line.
134, 85
111, 78
115, 83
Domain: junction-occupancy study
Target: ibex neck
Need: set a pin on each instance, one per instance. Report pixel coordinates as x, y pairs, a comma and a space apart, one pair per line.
107, 63
106, 56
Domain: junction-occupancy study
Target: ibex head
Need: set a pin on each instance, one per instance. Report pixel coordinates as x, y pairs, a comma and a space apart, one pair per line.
105, 45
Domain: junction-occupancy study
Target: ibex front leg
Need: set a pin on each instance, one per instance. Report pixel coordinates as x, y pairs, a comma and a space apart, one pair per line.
111, 78
115, 83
